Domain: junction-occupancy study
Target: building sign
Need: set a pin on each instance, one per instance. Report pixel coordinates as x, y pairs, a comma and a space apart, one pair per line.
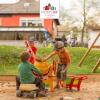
49, 9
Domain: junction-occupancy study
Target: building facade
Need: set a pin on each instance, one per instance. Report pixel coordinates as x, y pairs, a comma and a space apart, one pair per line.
25, 14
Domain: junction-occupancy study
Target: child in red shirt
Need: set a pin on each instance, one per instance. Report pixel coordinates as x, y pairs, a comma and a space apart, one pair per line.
31, 48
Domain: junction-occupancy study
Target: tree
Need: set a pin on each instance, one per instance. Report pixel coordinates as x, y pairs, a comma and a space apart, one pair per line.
84, 22
81, 13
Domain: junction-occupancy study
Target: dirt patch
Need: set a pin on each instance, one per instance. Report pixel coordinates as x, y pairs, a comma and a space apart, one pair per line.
7, 78
90, 90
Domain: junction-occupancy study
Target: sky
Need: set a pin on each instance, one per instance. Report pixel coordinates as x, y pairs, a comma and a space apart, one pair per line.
66, 3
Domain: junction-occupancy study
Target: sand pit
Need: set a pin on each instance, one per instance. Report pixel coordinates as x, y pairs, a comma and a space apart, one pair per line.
90, 90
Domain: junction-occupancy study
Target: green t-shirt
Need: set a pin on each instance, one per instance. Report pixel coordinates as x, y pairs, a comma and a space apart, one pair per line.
25, 72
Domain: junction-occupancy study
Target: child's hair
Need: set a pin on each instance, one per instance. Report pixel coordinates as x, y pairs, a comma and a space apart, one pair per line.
24, 56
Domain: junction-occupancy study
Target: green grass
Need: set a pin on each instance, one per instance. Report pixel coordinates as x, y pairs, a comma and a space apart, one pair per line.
9, 59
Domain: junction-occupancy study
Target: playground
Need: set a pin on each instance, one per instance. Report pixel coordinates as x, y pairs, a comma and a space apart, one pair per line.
90, 88
83, 82
49, 50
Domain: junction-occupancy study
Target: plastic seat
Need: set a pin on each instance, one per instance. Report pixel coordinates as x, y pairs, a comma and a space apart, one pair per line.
28, 87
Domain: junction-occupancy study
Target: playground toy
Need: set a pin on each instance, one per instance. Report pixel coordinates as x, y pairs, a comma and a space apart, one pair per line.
27, 90
42, 66
48, 72
74, 81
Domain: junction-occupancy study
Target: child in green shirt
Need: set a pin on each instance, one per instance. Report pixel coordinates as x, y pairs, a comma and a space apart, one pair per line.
26, 75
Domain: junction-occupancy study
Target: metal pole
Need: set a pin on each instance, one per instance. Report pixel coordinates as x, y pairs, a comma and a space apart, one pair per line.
83, 58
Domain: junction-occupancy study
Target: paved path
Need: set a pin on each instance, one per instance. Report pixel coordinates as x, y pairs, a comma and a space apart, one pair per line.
17, 43
12, 42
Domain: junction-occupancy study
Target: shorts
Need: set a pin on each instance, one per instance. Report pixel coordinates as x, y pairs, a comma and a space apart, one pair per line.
61, 75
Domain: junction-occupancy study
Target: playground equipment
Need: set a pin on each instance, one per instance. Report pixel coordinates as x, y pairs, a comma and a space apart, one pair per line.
96, 66
74, 81
42, 66
85, 55
48, 72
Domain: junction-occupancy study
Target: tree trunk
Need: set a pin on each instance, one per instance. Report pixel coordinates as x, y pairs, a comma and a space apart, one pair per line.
84, 24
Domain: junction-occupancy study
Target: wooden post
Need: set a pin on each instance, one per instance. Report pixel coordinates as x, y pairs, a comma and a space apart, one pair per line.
83, 58
96, 66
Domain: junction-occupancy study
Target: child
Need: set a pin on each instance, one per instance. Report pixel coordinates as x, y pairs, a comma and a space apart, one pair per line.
26, 75
64, 61
31, 48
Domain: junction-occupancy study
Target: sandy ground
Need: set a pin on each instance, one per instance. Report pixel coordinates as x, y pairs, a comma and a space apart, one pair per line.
90, 90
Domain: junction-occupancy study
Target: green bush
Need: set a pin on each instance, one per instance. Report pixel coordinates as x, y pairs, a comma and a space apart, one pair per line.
9, 54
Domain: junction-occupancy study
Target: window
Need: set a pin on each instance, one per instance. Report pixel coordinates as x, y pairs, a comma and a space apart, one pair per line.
23, 24
31, 22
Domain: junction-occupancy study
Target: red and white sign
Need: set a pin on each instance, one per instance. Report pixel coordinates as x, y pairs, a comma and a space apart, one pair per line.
49, 9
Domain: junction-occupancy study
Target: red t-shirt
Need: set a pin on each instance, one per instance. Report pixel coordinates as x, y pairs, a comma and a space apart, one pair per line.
31, 59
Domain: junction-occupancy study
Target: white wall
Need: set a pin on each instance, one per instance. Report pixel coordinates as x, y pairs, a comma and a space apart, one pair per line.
92, 36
